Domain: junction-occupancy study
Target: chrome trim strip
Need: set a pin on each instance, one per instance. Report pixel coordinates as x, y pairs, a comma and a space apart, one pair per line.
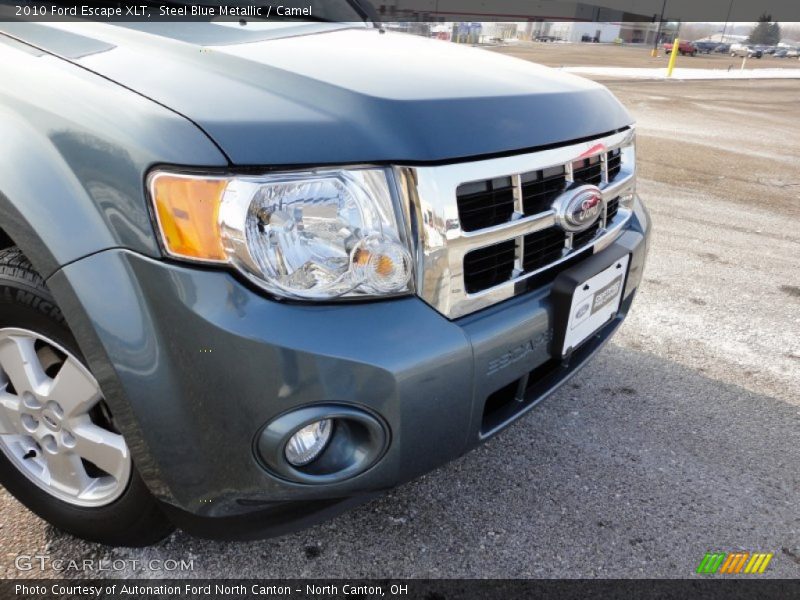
473, 240
616, 188
430, 194
519, 209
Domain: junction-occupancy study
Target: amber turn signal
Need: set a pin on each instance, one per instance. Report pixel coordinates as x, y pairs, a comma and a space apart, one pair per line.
188, 215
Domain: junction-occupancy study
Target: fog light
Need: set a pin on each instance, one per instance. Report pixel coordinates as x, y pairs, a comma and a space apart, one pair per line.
308, 443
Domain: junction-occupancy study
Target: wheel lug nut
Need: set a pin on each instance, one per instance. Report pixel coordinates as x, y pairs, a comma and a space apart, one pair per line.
29, 423
67, 439
30, 401
55, 408
49, 444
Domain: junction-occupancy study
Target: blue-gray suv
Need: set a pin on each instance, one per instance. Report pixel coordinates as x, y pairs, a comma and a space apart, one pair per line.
253, 273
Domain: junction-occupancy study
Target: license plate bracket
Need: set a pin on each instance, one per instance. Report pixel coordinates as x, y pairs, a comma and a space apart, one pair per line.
586, 297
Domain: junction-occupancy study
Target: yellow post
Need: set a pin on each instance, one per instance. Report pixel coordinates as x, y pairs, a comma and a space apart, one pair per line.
673, 56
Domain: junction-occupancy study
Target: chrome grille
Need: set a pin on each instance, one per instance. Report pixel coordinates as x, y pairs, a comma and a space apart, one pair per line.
482, 227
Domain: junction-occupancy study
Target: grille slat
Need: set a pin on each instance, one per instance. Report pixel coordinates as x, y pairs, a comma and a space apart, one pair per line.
485, 203
614, 164
588, 170
540, 188
542, 248
611, 209
493, 214
483, 265
486, 267
584, 237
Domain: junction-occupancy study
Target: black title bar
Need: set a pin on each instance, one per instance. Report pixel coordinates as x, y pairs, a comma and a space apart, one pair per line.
450, 589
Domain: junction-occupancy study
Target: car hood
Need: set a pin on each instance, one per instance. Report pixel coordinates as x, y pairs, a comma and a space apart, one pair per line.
328, 93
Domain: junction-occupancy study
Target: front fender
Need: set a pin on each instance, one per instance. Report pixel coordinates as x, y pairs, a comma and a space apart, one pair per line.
44, 208
74, 153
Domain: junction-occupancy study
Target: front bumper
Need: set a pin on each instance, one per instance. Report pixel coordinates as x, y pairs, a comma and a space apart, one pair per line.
193, 364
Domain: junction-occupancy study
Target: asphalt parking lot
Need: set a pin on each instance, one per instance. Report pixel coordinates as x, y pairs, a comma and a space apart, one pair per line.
577, 55
681, 437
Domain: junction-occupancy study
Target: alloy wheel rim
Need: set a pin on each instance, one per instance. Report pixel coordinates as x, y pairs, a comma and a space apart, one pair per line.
54, 427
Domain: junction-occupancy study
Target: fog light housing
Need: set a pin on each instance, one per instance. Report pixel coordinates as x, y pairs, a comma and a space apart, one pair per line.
308, 442
322, 443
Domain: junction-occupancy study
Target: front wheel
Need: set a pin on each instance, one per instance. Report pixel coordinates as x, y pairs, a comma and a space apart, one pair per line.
61, 454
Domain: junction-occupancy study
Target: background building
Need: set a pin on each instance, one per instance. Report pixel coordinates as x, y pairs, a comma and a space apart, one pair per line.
575, 31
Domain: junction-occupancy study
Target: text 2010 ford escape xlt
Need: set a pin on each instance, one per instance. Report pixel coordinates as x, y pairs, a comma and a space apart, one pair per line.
251, 275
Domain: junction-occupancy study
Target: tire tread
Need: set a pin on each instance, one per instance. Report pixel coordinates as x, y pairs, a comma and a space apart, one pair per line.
15, 265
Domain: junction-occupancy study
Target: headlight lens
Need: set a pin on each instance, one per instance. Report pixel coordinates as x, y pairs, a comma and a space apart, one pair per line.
316, 234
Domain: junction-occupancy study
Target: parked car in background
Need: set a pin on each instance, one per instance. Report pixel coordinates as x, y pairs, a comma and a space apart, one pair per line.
723, 48
736, 48
781, 53
745, 50
792, 52
684, 48
705, 46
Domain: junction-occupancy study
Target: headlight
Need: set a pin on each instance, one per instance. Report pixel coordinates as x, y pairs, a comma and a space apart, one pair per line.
315, 234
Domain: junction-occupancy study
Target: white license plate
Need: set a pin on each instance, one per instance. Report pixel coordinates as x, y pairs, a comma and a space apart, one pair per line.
594, 303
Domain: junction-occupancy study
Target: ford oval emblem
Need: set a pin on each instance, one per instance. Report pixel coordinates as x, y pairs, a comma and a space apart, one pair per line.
582, 311
579, 208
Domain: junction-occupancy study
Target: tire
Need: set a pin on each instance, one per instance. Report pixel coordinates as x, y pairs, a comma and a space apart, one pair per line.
133, 517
